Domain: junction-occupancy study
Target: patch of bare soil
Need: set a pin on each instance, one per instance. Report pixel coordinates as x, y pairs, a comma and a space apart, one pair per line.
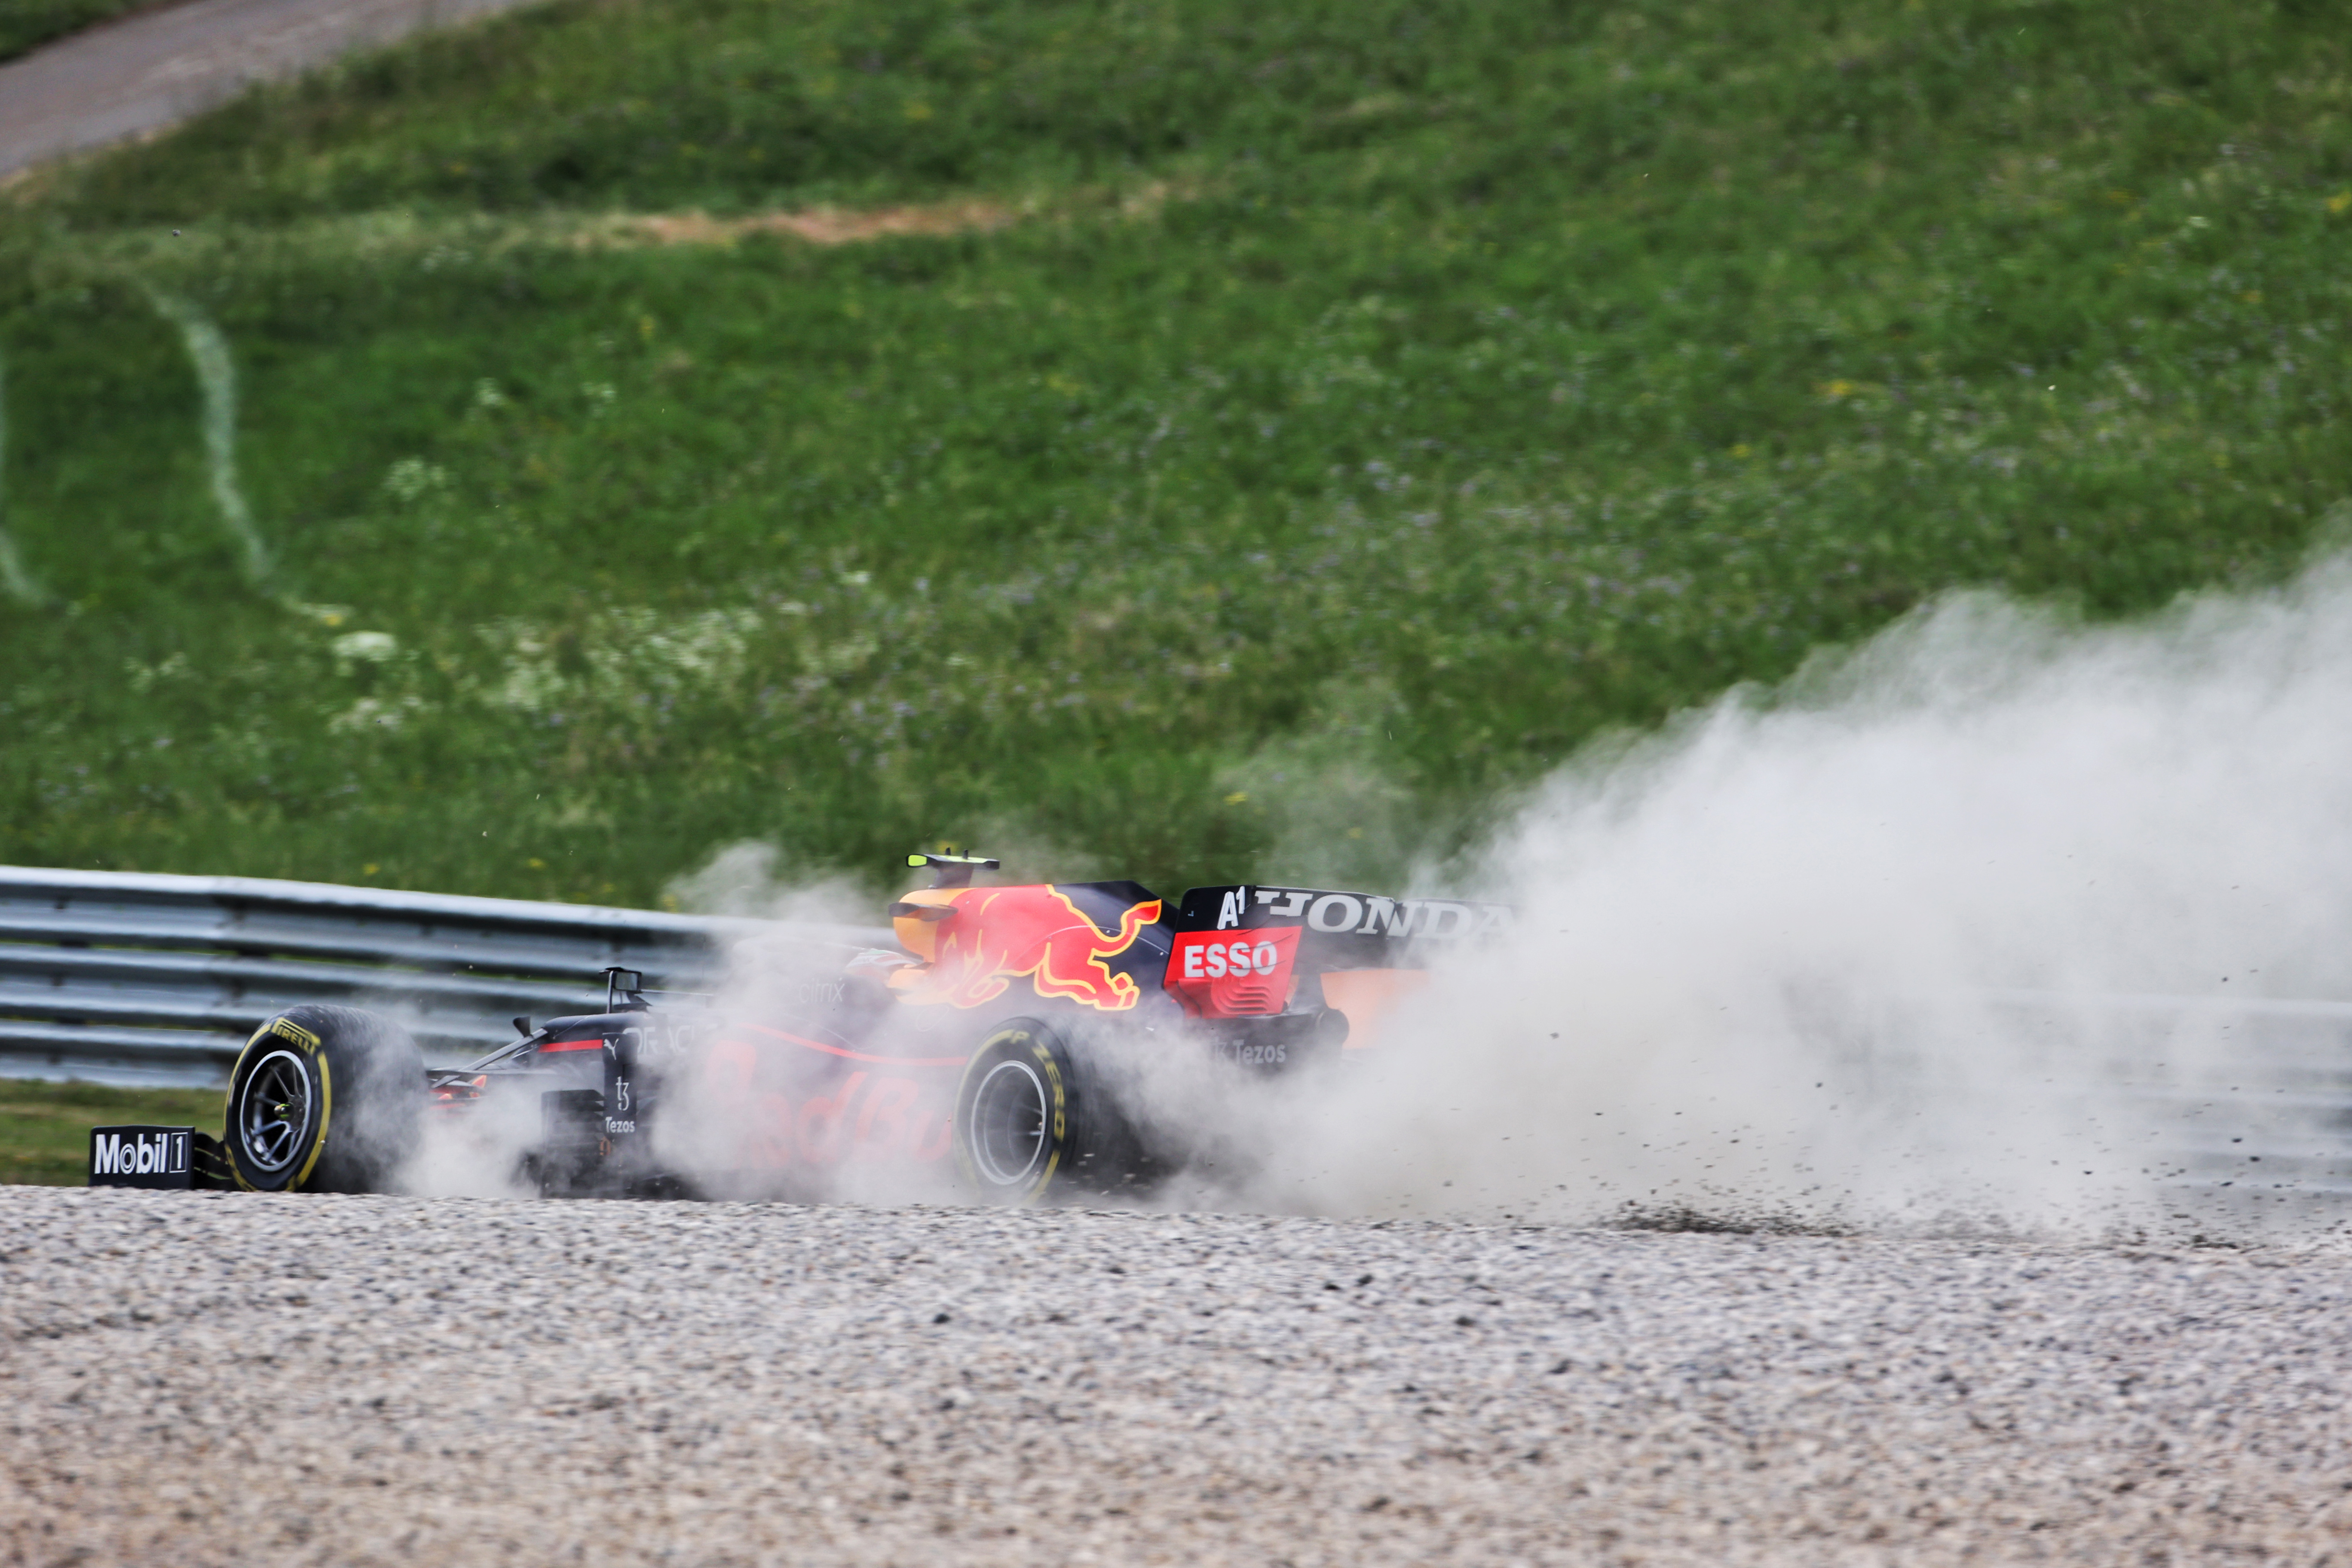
845, 226
818, 225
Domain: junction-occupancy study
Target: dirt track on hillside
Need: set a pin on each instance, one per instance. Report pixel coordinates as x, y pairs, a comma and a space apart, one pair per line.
153, 70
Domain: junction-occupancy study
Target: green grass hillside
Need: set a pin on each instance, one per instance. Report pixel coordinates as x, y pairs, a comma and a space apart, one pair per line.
26, 24
44, 1126
1228, 438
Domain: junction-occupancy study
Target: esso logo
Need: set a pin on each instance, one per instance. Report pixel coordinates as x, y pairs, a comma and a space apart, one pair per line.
1232, 973
1237, 957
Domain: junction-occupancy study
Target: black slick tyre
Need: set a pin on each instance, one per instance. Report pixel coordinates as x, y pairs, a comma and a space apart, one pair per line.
1036, 1120
323, 1100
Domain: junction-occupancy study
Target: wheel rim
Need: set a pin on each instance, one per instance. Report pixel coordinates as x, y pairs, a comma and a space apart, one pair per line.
1008, 1124
273, 1111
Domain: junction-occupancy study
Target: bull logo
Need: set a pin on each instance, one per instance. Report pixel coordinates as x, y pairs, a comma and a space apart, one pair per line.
996, 935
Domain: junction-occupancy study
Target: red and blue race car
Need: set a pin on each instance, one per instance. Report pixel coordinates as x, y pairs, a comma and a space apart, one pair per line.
1012, 1045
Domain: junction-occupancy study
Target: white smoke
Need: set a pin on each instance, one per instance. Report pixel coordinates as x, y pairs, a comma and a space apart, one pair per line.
757, 1112
1770, 959
480, 1153
2000, 920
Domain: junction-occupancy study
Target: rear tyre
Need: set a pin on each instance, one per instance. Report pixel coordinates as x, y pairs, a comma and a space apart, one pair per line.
1036, 1120
323, 1100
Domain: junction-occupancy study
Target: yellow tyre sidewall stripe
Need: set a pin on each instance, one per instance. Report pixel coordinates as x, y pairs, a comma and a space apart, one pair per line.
1061, 1119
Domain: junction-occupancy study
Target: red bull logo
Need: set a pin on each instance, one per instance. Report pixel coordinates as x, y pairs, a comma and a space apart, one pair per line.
997, 935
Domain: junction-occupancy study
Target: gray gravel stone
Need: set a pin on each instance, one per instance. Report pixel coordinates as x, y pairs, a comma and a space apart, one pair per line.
241, 1379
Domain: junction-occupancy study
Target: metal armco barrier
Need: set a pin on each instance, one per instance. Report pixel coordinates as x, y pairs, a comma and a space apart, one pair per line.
129, 978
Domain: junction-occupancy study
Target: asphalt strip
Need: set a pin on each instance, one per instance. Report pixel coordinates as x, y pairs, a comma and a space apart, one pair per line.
230, 1378
152, 70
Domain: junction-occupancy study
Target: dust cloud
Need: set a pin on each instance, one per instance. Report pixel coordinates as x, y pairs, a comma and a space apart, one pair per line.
2000, 920
755, 1114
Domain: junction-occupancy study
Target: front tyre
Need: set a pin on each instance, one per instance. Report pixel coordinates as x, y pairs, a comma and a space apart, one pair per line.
1036, 1120
323, 1100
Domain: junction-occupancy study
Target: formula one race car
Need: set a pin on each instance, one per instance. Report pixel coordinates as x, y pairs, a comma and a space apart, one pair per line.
1019, 1048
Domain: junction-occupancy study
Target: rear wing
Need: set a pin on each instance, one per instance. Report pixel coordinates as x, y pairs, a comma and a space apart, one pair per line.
1346, 931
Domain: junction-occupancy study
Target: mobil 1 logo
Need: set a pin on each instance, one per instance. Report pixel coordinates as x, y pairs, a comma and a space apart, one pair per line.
142, 1156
